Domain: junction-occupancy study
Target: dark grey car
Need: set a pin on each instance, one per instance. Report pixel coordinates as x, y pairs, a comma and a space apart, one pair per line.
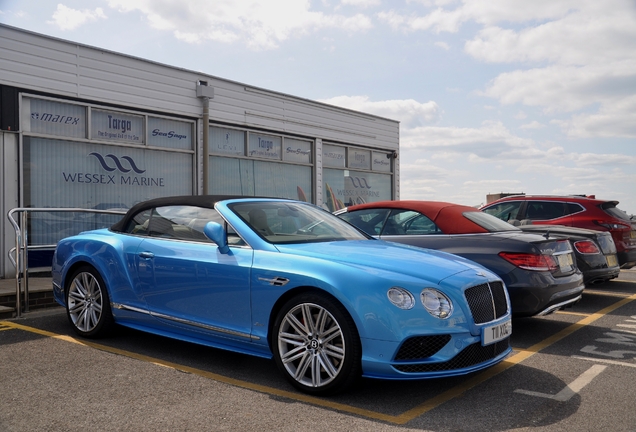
540, 273
595, 251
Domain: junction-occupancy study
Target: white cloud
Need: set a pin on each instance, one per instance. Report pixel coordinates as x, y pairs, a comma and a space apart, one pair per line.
443, 45
260, 25
409, 112
532, 125
69, 19
361, 3
573, 55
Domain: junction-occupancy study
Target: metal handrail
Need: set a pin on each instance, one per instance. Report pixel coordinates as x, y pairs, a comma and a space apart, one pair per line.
21, 249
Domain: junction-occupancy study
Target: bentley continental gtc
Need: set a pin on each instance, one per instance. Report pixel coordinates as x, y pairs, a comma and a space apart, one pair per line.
287, 280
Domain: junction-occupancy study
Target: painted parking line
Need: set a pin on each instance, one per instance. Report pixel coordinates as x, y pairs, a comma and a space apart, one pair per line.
571, 389
403, 418
606, 293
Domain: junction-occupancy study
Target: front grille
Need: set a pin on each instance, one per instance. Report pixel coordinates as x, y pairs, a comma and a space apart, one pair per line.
421, 347
469, 356
487, 302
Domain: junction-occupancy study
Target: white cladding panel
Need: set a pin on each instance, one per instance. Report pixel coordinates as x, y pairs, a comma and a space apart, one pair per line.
37, 62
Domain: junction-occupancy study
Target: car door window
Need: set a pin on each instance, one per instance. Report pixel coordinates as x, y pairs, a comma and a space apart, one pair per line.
414, 223
545, 210
370, 220
181, 223
507, 211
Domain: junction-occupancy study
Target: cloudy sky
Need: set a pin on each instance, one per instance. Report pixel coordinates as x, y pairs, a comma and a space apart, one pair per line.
492, 95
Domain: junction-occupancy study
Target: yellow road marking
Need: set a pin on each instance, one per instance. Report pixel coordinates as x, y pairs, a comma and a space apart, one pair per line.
572, 313
605, 293
403, 418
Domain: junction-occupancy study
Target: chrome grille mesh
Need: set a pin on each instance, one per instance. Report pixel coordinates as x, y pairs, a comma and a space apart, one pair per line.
469, 356
487, 302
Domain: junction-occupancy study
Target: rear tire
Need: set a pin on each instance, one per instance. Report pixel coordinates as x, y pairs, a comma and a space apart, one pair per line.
316, 345
88, 304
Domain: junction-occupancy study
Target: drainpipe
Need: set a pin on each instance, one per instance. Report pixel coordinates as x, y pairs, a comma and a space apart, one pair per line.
205, 93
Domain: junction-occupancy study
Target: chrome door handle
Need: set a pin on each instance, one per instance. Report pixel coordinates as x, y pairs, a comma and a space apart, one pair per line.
146, 254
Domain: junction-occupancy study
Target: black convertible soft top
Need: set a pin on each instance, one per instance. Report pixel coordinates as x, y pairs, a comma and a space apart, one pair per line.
207, 201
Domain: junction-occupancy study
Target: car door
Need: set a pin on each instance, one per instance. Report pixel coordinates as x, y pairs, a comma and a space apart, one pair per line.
188, 282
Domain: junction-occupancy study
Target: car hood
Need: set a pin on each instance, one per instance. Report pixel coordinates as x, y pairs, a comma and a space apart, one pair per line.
420, 263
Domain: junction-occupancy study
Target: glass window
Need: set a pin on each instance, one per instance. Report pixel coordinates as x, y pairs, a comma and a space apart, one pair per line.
227, 141
169, 133
343, 188
53, 118
410, 222
489, 222
243, 177
297, 151
545, 210
264, 146
117, 126
369, 220
573, 208
506, 211
381, 162
360, 159
96, 176
333, 156
289, 222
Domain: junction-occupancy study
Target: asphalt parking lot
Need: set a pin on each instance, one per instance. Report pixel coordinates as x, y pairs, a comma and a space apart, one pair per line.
572, 370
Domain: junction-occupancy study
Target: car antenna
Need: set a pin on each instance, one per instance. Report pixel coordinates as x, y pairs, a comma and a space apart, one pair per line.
547, 234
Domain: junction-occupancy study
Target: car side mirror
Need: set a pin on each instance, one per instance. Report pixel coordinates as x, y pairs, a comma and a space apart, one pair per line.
215, 232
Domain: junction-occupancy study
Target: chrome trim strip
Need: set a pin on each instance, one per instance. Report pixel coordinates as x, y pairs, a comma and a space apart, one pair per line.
184, 321
558, 306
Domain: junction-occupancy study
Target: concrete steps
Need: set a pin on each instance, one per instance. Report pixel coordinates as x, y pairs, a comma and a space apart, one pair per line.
40, 295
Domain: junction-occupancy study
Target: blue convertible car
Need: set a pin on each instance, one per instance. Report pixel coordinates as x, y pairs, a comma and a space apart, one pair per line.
283, 278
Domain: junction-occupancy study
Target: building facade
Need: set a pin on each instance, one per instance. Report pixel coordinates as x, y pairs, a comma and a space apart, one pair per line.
88, 128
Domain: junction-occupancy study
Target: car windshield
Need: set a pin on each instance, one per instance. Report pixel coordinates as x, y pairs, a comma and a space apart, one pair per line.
489, 222
283, 222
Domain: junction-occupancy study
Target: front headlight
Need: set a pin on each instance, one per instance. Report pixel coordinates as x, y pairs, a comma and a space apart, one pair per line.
436, 303
401, 297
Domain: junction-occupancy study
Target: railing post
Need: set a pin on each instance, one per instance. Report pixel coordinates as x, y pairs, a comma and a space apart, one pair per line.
18, 270
25, 256
21, 261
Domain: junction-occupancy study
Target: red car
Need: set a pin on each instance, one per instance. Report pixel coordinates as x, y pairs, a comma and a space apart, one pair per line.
575, 211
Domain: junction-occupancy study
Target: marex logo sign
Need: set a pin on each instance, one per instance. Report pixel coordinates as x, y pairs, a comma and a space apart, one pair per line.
111, 163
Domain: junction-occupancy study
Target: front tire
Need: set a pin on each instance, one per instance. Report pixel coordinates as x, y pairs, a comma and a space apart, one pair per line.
316, 345
88, 304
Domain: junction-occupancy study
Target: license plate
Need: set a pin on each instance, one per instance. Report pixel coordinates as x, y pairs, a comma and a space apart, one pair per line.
565, 262
496, 333
612, 261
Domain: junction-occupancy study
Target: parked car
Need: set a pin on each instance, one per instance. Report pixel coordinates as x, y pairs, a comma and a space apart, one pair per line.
540, 273
595, 251
284, 279
576, 211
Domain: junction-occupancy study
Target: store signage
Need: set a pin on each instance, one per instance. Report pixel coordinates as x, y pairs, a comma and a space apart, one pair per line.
125, 172
360, 159
117, 126
333, 156
264, 146
169, 133
381, 162
297, 150
54, 118
227, 141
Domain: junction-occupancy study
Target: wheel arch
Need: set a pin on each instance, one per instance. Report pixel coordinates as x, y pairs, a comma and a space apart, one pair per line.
285, 297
